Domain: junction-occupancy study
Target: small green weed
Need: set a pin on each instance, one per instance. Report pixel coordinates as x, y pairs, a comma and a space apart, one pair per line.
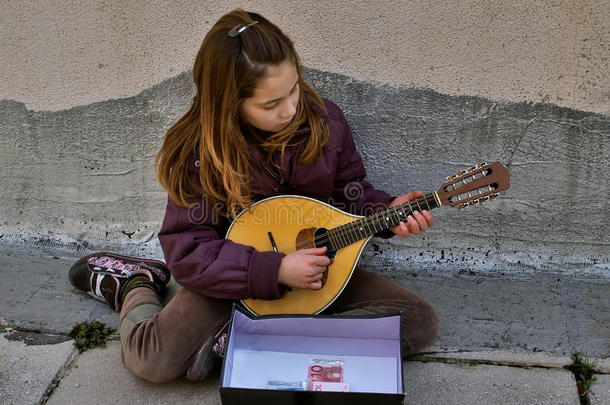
88, 335
473, 363
583, 369
587, 382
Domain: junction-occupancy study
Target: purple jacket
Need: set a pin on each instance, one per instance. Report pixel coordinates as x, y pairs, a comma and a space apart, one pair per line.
193, 241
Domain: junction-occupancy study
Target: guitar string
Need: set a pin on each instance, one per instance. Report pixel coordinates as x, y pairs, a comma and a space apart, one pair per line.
346, 231
342, 231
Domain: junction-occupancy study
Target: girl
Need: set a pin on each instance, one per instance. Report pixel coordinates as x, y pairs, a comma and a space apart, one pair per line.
255, 129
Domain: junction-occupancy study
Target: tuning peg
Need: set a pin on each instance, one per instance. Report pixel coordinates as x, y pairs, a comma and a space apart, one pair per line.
481, 165
473, 203
450, 177
462, 206
494, 196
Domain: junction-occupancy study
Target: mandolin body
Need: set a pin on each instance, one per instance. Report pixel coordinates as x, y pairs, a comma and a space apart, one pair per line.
292, 221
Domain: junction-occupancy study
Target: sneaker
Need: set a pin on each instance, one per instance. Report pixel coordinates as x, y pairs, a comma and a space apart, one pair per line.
104, 275
219, 346
211, 350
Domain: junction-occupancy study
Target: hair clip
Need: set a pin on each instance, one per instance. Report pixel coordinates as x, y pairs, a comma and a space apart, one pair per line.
240, 28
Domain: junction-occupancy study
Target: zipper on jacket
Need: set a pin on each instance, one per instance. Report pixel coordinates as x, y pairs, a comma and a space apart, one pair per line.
279, 178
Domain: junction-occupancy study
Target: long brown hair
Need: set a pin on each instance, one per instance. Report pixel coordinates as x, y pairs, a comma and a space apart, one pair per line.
226, 71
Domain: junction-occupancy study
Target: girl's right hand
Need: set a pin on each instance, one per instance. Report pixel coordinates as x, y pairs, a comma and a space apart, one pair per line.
304, 268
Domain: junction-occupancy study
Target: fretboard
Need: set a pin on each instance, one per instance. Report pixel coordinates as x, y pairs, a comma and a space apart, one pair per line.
359, 229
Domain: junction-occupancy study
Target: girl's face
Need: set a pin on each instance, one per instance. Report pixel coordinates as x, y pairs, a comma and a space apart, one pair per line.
274, 101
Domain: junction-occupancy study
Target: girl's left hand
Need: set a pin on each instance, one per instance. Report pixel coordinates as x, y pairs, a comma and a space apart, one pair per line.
416, 223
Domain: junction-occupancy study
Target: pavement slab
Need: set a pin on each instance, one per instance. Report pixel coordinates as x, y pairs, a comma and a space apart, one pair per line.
599, 393
99, 377
27, 370
438, 383
536, 312
603, 365
35, 294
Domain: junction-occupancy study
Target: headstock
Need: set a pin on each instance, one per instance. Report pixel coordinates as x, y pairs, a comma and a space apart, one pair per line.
475, 185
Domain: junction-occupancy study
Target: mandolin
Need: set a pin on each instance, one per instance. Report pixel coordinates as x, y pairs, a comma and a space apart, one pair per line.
290, 222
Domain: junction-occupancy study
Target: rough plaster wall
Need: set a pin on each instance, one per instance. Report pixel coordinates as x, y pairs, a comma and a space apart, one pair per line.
58, 54
83, 177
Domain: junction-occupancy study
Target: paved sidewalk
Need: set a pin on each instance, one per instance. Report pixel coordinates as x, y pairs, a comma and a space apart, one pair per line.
39, 364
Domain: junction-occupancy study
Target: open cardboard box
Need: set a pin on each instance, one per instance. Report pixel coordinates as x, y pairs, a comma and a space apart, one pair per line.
280, 347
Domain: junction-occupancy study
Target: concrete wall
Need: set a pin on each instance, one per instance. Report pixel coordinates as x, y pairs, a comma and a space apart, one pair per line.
89, 88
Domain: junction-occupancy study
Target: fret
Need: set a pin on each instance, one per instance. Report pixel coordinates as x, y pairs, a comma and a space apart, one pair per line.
396, 216
360, 227
377, 223
389, 218
340, 234
418, 206
365, 230
346, 234
335, 232
344, 238
427, 203
365, 224
410, 207
387, 214
374, 220
368, 224
352, 233
331, 238
385, 221
399, 214
356, 232
404, 214
437, 199
338, 240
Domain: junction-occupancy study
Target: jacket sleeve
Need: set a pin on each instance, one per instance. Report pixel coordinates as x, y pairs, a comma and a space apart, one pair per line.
201, 260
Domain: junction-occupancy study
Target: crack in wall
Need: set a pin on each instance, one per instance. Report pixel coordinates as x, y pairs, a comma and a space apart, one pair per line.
510, 159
